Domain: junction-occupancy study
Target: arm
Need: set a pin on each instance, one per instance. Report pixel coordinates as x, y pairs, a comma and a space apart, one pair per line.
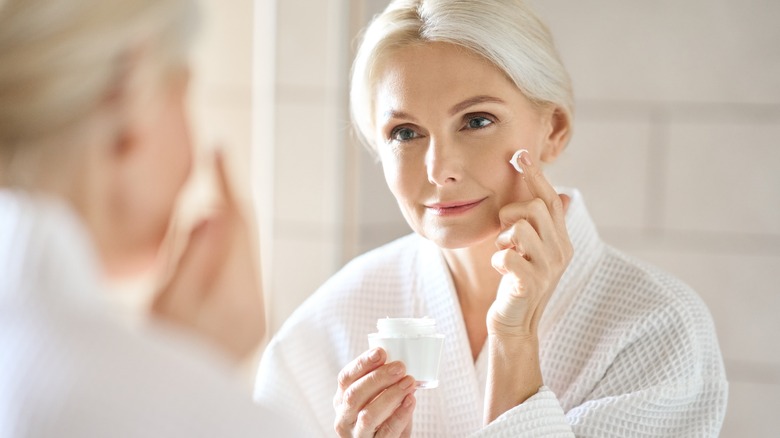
534, 251
666, 379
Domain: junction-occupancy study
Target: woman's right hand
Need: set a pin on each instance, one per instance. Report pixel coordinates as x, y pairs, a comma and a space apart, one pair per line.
374, 398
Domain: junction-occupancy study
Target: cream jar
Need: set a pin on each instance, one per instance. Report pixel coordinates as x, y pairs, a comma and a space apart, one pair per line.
414, 342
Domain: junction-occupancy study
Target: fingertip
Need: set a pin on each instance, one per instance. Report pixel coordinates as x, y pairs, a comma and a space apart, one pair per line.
525, 157
376, 355
514, 161
409, 401
565, 201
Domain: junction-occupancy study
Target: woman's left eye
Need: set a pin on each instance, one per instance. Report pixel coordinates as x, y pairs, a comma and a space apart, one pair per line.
478, 122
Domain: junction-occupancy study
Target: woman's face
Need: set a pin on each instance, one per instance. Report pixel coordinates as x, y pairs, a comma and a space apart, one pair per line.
447, 123
151, 174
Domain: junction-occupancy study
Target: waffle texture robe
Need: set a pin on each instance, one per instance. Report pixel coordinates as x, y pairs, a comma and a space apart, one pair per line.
69, 367
626, 350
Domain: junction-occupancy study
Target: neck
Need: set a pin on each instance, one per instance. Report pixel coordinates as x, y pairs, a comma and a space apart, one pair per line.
476, 283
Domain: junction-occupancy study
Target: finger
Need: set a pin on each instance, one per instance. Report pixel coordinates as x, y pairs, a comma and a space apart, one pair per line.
521, 237
517, 237
223, 182
358, 395
536, 213
196, 270
508, 262
400, 423
382, 407
360, 366
540, 187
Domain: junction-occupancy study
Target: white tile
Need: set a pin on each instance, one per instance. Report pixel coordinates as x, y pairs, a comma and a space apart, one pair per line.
669, 50
312, 44
299, 267
376, 204
308, 163
752, 411
223, 51
607, 161
741, 292
724, 177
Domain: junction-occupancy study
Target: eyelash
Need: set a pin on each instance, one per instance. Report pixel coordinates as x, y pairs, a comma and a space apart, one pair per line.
398, 129
467, 118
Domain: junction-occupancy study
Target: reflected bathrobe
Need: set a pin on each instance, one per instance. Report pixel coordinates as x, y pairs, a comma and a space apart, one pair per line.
626, 350
71, 367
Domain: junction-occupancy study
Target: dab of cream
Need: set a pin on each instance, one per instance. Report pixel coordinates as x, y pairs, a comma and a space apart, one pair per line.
515, 161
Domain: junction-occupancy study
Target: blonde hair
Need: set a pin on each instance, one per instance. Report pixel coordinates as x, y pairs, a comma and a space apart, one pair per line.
505, 32
61, 60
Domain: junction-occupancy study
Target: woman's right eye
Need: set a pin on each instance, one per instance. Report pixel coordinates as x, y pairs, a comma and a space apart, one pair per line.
403, 133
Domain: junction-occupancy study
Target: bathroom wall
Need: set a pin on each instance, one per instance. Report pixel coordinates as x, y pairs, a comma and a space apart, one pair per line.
675, 150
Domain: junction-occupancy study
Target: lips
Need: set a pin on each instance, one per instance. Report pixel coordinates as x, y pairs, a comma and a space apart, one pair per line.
453, 208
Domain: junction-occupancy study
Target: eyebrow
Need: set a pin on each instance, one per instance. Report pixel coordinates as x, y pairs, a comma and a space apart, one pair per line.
473, 101
395, 114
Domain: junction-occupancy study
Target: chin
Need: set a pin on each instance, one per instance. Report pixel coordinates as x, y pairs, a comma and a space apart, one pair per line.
459, 239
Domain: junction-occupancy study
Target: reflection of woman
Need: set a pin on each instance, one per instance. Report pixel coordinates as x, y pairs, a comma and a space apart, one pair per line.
94, 148
548, 330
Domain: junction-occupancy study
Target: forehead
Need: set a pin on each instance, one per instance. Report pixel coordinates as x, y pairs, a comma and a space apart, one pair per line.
436, 73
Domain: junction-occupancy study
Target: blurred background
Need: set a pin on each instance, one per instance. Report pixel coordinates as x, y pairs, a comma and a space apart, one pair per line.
675, 149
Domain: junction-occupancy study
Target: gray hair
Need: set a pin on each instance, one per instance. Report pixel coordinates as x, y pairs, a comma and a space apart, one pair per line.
505, 32
60, 60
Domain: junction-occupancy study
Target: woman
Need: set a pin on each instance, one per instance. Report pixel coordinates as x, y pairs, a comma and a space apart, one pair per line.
94, 149
549, 332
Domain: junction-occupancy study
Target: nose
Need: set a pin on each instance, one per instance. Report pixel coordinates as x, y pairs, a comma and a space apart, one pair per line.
443, 163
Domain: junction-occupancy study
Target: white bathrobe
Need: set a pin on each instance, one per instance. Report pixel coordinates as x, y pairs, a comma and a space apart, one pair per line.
70, 368
626, 350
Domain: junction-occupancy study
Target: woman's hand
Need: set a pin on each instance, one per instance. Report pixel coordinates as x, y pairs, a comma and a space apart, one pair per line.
374, 398
534, 251
215, 288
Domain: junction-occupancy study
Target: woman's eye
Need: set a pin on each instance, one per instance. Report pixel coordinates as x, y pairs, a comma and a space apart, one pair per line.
403, 134
478, 122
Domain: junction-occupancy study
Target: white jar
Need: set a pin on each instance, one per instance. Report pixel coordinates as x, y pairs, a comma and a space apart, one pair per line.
414, 342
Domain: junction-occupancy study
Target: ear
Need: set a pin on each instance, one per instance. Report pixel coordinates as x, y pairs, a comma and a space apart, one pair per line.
558, 134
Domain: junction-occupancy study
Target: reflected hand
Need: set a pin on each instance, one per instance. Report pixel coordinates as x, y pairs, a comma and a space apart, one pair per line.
215, 290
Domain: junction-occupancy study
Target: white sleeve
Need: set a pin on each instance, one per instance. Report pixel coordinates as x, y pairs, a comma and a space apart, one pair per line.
539, 416
276, 385
669, 382
679, 409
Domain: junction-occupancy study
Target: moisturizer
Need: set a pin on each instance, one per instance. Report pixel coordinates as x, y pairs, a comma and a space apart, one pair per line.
414, 342
515, 161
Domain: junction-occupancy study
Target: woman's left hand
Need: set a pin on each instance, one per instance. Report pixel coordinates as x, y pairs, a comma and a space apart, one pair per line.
534, 251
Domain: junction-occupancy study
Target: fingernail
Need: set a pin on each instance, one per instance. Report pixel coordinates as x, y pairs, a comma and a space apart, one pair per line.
396, 369
407, 382
374, 356
407, 401
525, 157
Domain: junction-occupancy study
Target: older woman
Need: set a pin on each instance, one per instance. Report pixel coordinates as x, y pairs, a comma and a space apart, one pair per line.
549, 332
94, 148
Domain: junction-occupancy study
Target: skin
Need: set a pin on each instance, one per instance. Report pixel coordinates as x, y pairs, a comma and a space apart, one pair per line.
447, 123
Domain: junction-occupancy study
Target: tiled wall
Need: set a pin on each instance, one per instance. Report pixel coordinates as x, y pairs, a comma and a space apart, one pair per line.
676, 150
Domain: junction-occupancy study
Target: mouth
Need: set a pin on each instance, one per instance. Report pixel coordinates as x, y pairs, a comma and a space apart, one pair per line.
453, 208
